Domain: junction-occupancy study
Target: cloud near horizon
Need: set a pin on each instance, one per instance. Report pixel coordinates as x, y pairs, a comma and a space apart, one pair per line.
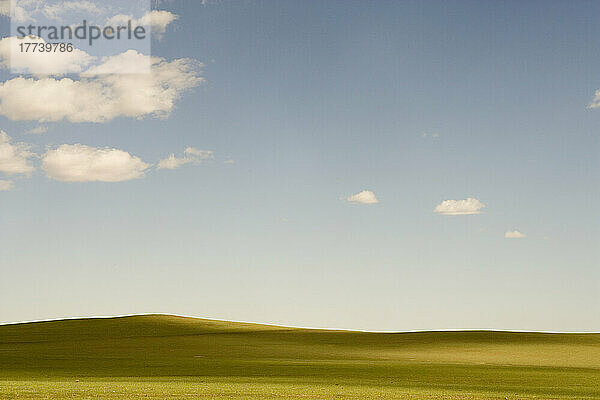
514, 235
363, 197
80, 163
469, 206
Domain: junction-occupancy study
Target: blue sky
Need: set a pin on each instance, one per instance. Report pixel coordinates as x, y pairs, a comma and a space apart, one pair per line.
302, 105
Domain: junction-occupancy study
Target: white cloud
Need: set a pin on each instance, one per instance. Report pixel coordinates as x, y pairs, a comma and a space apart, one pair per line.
16, 12
5, 8
100, 98
595, 103
25, 10
30, 62
129, 62
197, 154
514, 235
157, 20
6, 185
172, 162
57, 10
14, 157
363, 197
229, 161
468, 206
190, 155
38, 130
80, 163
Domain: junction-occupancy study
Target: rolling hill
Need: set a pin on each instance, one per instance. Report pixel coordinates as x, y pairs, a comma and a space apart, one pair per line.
169, 357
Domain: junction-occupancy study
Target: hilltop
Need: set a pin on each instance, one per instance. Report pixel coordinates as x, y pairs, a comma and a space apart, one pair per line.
161, 353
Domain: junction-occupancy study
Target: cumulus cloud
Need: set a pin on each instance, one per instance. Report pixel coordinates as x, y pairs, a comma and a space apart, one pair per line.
128, 62
80, 163
514, 235
190, 155
468, 206
157, 20
6, 185
14, 157
30, 62
363, 197
101, 98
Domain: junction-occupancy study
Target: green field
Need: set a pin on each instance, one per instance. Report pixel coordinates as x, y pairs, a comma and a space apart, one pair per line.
167, 357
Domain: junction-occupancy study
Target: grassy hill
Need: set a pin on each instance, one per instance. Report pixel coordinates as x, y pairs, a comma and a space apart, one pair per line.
168, 357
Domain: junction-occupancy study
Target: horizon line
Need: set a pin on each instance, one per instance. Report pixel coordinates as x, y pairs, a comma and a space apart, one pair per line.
294, 326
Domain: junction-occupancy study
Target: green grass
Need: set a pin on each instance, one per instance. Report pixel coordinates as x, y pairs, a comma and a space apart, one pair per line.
167, 357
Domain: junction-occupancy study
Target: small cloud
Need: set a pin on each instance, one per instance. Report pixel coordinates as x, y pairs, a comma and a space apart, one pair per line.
190, 155
469, 206
364, 197
229, 161
56, 11
595, 103
5, 8
157, 20
14, 11
431, 135
80, 163
6, 185
38, 130
514, 235
198, 154
172, 162
14, 157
